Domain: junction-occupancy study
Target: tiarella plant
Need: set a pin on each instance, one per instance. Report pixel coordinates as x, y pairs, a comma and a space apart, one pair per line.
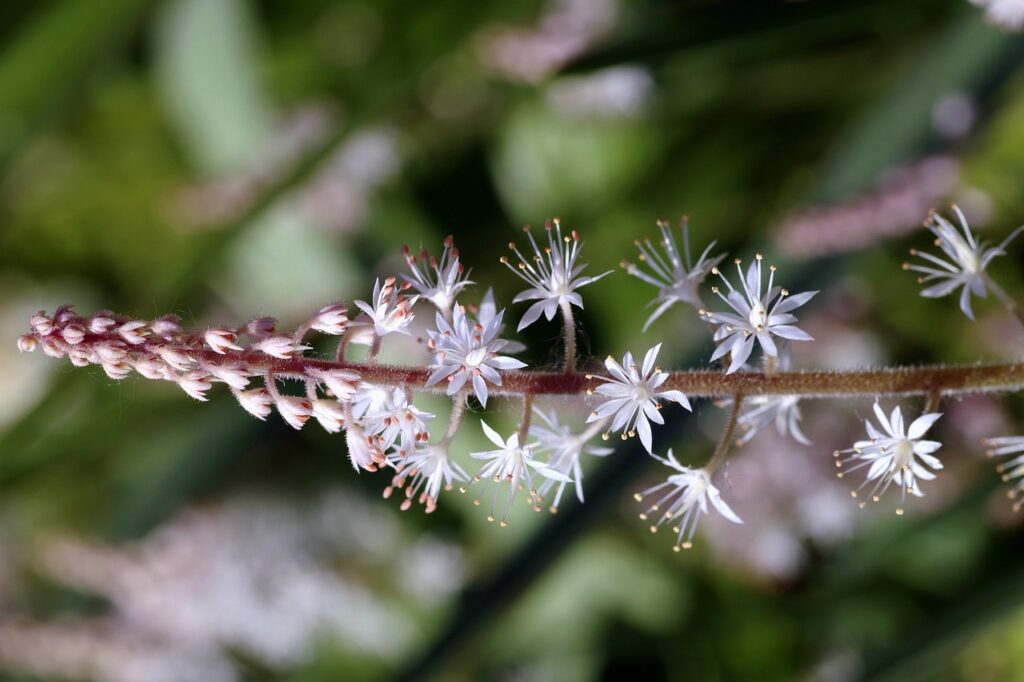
467, 359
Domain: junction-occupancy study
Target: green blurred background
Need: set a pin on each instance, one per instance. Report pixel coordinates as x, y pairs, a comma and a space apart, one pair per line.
224, 159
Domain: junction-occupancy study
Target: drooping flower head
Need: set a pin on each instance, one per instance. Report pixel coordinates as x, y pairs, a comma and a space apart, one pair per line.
964, 264
515, 464
552, 273
468, 351
1012, 468
630, 396
564, 449
682, 499
678, 281
423, 474
437, 280
757, 316
892, 454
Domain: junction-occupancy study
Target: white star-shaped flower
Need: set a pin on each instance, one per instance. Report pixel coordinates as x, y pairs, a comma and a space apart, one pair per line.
438, 281
424, 473
564, 449
893, 454
631, 395
782, 410
964, 264
758, 317
391, 311
1012, 468
552, 273
677, 281
513, 463
682, 499
467, 351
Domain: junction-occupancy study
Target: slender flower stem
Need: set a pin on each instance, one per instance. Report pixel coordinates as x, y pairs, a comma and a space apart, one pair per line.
375, 349
455, 419
934, 399
725, 442
1004, 298
524, 425
569, 331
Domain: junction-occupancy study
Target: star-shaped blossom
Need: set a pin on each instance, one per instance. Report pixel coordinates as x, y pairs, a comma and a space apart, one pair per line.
515, 464
630, 396
757, 316
564, 449
437, 280
468, 351
391, 311
678, 281
682, 499
964, 264
1012, 468
782, 410
552, 273
893, 453
423, 474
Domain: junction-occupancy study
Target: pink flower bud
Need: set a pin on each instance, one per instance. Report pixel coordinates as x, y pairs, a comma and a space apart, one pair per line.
73, 333
295, 411
332, 319
166, 327
221, 340
283, 347
195, 384
133, 332
340, 382
261, 327
27, 343
256, 402
41, 324
101, 322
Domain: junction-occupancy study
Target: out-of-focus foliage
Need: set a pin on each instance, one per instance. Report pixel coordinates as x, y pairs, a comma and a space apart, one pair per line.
230, 159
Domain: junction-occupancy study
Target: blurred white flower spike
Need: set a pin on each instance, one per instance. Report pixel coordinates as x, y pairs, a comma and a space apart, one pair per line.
893, 453
552, 273
757, 316
630, 396
678, 281
682, 499
964, 265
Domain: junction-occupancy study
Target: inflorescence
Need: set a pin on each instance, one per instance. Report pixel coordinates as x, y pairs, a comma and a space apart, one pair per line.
470, 361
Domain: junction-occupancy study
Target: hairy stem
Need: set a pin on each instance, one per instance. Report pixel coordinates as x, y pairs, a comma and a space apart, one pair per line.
569, 331
1004, 298
524, 425
725, 442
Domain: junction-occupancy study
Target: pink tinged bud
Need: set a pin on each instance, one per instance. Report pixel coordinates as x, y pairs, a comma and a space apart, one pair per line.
340, 382
166, 327
261, 327
235, 376
175, 358
134, 332
195, 384
27, 343
52, 347
79, 356
113, 352
116, 370
295, 411
221, 340
73, 333
361, 451
330, 414
63, 315
256, 402
283, 347
150, 367
101, 322
332, 319
41, 324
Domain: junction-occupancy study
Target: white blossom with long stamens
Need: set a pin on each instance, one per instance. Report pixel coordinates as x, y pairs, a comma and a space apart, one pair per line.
552, 273
1012, 468
467, 351
893, 454
781, 410
424, 474
758, 316
515, 464
682, 499
964, 264
391, 311
677, 280
437, 280
564, 449
631, 395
